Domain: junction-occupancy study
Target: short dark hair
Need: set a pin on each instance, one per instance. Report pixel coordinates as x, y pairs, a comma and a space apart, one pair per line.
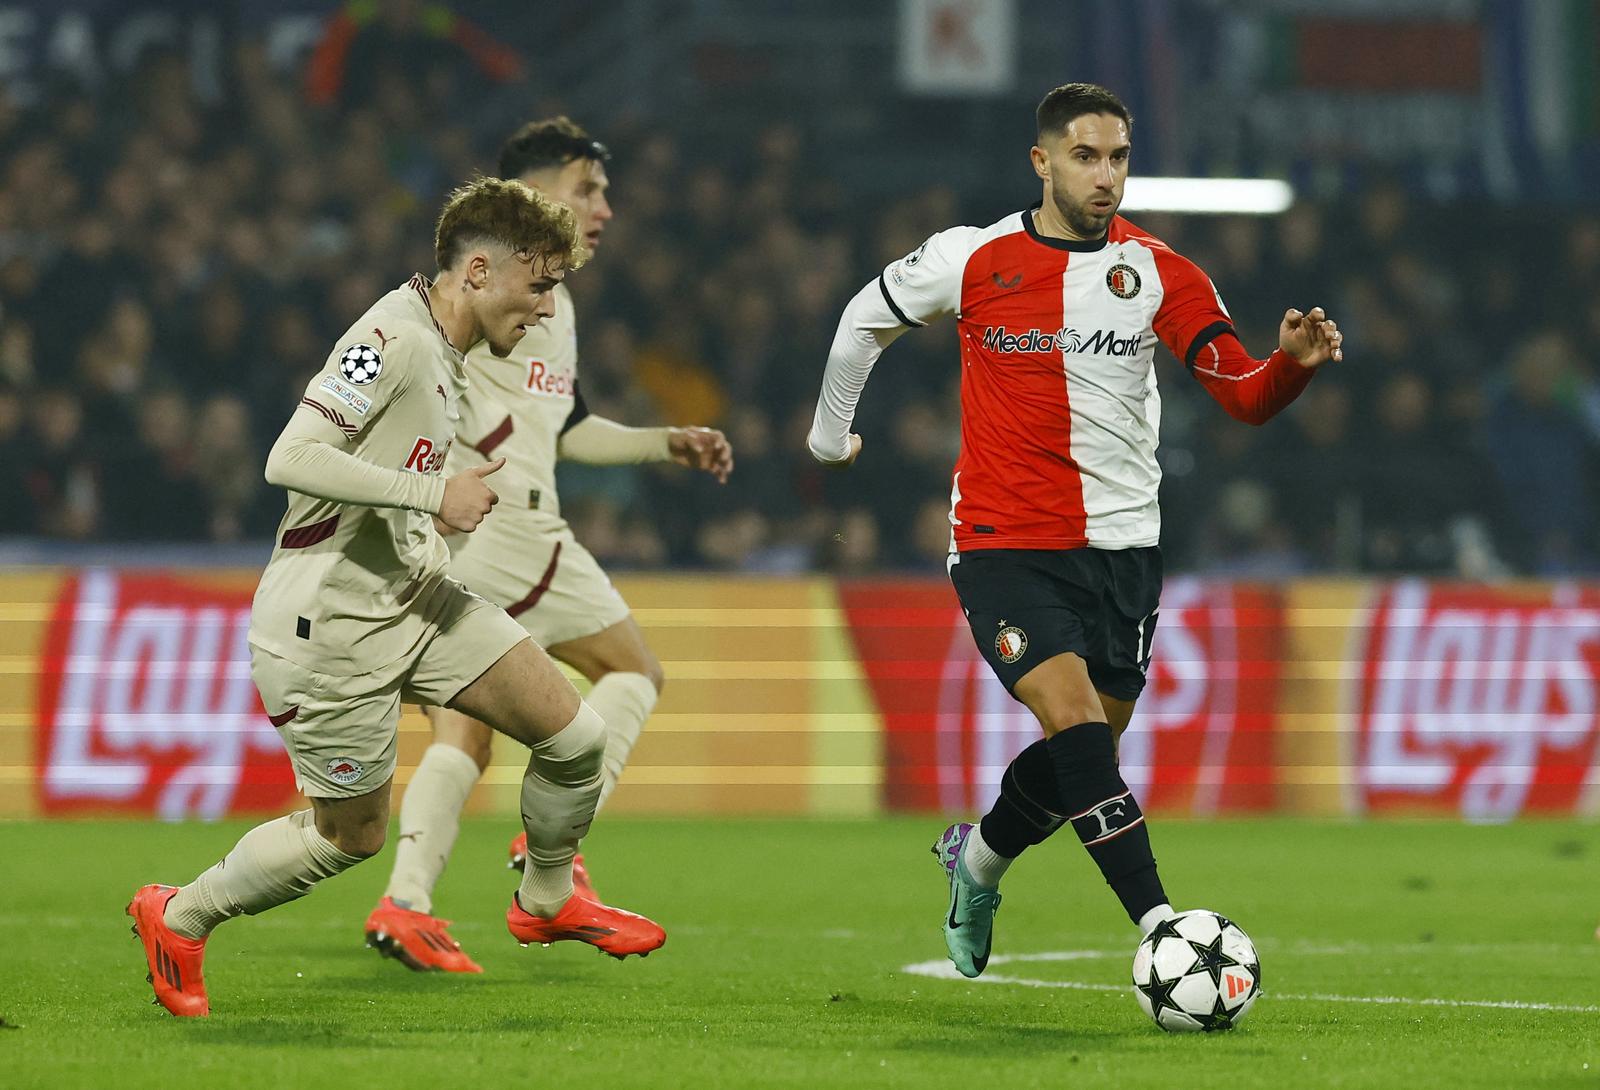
553, 142
1070, 101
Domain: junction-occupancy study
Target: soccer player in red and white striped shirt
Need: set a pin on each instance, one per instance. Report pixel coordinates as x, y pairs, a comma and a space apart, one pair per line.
1053, 510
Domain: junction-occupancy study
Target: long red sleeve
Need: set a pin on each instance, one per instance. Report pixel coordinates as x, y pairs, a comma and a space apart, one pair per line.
1196, 327
1251, 390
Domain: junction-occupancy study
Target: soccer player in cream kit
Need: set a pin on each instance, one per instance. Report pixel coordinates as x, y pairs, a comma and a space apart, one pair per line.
527, 407
356, 610
1053, 513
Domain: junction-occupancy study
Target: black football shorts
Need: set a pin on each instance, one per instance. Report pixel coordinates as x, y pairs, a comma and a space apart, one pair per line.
1029, 605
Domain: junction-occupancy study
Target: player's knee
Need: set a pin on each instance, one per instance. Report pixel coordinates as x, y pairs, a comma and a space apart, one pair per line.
477, 744
1060, 714
1086, 761
651, 668
462, 732
638, 660
361, 841
573, 755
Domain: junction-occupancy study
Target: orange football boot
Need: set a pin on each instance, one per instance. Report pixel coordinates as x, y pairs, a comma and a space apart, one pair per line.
610, 930
416, 940
175, 961
580, 873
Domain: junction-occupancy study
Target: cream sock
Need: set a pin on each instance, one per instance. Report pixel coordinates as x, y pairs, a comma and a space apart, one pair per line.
430, 818
559, 793
271, 865
624, 700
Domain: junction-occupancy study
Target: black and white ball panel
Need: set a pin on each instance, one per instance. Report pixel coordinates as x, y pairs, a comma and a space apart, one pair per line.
1198, 971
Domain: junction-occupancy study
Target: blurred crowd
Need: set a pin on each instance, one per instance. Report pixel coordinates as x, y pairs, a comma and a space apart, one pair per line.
173, 270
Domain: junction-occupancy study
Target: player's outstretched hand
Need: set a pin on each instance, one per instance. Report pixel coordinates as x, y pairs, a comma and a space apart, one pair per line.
702, 448
1311, 338
467, 498
849, 459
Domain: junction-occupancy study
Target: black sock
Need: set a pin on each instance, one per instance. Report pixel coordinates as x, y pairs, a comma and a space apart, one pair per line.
1105, 814
1028, 809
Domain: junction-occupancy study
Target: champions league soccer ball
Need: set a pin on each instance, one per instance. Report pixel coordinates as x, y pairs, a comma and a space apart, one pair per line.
1197, 971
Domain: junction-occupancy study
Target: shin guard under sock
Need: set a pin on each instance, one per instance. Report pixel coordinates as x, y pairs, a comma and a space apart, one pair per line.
1029, 808
1105, 815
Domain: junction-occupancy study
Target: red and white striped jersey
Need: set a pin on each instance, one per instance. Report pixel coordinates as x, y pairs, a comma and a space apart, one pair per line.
1060, 415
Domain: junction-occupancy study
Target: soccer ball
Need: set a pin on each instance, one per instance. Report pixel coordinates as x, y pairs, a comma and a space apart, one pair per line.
1196, 971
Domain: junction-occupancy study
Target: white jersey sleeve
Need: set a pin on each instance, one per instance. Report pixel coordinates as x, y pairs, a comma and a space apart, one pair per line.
911, 292
925, 285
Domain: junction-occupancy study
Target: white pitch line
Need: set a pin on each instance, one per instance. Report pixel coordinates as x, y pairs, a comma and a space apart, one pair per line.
943, 970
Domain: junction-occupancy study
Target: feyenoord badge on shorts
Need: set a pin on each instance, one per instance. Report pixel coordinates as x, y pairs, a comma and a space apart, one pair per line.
344, 770
1011, 644
360, 364
1123, 280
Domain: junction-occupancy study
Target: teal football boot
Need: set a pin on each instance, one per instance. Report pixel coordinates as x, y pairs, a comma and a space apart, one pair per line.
969, 926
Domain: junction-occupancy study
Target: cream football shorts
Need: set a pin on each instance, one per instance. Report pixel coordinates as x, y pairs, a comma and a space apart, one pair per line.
342, 732
553, 586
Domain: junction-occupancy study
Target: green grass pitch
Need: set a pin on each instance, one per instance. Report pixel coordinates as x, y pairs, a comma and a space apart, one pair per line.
787, 965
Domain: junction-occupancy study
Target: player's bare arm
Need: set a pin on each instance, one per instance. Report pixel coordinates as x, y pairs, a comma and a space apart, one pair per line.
1311, 338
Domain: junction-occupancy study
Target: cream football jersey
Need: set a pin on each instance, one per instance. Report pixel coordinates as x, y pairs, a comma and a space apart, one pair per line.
518, 407
347, 587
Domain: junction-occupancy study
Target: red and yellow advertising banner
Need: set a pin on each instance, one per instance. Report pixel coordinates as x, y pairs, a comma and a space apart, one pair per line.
1203, 741
145, 703
1479, 701
128, 692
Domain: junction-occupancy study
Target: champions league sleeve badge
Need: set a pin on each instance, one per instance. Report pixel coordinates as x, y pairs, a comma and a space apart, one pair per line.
360, 364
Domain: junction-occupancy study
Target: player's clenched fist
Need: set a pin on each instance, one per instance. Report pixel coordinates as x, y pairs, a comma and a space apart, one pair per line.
848, 460
1311, 338
467, 499
702, 448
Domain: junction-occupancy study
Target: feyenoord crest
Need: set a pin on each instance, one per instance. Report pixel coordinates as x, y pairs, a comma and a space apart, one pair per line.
344, 770
360, 364
1011, 644
1123, 280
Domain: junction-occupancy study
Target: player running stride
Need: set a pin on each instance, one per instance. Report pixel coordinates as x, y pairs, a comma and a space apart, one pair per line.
1053, 500
355, 610
528, 410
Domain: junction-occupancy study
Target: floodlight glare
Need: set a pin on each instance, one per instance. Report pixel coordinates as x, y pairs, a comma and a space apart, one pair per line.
1208, 196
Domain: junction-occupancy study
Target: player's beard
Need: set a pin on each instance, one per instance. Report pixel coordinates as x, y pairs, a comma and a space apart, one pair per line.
1084, 221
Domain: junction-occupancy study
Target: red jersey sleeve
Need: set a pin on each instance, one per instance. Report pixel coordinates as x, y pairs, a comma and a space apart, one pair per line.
1191, 314
1195, 326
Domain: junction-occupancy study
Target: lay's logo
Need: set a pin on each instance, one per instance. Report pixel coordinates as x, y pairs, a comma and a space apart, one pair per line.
1479, 700
146, 704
